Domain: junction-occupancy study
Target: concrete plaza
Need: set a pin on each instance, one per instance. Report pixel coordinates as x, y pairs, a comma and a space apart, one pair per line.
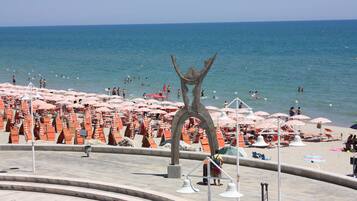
148, 172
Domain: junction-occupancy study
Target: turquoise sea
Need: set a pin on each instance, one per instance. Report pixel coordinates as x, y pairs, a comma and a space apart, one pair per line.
273, 58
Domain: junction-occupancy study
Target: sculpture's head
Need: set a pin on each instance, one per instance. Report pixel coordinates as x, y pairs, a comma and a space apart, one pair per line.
192, 74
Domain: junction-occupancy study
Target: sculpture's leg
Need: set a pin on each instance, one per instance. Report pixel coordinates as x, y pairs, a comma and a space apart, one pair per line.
176, 129
174, 169
208, 125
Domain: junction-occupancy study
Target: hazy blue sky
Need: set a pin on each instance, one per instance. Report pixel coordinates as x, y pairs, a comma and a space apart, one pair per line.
72, 12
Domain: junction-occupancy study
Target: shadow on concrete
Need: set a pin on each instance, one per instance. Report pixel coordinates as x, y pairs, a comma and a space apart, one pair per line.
150, 174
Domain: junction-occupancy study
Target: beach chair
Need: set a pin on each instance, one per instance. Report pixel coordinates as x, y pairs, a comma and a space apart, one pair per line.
165, 137
50, 133
118, 122
9, 114
114, 137
14, 135
78, 139
2, 105
148, 142
24, 107
205, 145
89, 130
329, 134
65, 137
57, 123
185, 137
42, 135
130, 131
220, 138
99, 134
241, 141
1, 123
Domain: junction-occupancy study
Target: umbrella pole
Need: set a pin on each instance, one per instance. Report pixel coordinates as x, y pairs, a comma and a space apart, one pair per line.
279, 165
237, 144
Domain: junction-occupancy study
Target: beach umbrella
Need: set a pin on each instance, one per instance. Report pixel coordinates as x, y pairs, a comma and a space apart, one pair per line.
76, 105
46, 106
142, 109
170, 107
300, 117
152, 101
141, 105
103, 109
223, 120
90, 102
254, 117
127, 107
295, 123
212, 108
243, 110
64, 102
101, 104
266, 125
116, 101
166, 103
276, 115
171, 113
127, 103
245, 121
235, 116
157, 112
321, 120
137, 100
261, 113
227, 109
179, 104
37, 103
103, 96
155, 106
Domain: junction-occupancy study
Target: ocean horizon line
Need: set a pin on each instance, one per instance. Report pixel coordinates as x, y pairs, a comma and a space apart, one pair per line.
179, 23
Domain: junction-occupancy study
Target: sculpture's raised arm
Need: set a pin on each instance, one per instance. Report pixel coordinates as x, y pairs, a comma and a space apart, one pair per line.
208, 63
176, 67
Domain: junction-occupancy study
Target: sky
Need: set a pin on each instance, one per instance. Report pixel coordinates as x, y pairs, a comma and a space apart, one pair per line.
96, 12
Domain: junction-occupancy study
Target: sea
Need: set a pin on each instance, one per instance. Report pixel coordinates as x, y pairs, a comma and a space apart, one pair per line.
272, 58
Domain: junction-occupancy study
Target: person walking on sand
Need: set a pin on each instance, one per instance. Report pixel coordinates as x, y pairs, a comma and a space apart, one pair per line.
13, 79
215, 171
292, 111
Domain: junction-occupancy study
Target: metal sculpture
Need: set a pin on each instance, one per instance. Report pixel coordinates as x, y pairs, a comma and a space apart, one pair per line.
196, 109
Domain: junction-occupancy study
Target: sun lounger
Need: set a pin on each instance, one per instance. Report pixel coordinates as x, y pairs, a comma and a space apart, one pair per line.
1, 123
14, 135
148, 142
205, 145
114, 137
65, 137
50, 132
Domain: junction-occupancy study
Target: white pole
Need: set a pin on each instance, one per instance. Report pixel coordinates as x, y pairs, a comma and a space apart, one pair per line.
237, 144
209, 179
279, 165
32, 133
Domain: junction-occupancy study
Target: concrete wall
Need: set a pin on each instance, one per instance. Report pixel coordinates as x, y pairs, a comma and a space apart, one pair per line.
285, 168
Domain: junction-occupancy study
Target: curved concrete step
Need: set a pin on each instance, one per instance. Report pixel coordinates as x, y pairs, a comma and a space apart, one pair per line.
73, 191
80, 188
